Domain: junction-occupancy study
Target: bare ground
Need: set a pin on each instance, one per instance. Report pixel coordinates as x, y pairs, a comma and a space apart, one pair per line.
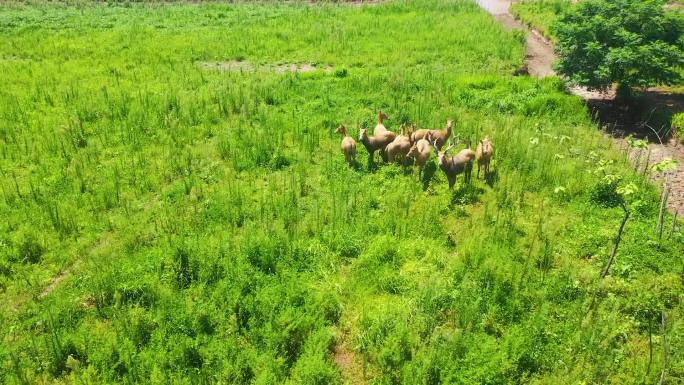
54, 283
349, 365
640, 121
245, 66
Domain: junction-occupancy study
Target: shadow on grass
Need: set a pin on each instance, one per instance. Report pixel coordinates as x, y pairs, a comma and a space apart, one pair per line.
372, 165
649, 111
491, 178
428, 173
465, 194
356, 166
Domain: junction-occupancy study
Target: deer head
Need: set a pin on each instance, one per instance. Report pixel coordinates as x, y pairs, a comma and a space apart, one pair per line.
382, 116
412, 151
341, 129
441, 155
363, 133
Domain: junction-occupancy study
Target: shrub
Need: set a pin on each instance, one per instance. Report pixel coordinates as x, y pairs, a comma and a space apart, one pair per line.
677, 124
30, 250
631, 43
604, 193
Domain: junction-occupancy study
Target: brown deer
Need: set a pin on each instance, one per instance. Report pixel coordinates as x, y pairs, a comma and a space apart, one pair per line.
483, 154
380, 127
399, 148
348, 145
420, 152
417, 135
376, 142
462, 162
441, 136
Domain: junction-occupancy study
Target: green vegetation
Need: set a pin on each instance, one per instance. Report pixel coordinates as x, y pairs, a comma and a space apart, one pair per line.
540, 14
166, 222
678, 126
601, 43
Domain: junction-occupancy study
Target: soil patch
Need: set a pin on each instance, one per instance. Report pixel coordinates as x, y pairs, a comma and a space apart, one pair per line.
648, 117
54, 283
349, 365
245, 66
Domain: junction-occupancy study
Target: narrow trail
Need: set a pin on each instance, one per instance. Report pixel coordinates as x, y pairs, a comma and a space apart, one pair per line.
539, 57
349, 364
539, 53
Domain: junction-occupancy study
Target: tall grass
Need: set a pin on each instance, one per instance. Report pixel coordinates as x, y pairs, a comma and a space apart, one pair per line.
211, 231
540, 14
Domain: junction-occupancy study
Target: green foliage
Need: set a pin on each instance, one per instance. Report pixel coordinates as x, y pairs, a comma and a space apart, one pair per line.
677, 125
667, 164
540, 14
165, 221
635, 44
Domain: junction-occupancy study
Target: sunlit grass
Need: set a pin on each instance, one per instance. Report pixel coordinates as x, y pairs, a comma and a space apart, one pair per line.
211, 231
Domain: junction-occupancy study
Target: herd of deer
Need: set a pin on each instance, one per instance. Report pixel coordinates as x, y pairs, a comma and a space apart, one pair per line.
417, 145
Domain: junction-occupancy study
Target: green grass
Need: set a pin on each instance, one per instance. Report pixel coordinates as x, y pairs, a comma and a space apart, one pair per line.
210, 231
540, 14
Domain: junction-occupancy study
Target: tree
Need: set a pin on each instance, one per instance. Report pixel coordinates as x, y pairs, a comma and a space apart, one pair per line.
633, 43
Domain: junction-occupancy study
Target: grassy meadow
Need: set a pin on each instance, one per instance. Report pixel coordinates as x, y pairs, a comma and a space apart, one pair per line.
167, 222
540, 14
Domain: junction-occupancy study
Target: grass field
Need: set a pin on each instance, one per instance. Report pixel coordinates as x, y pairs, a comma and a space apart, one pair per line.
540, 14
169, 222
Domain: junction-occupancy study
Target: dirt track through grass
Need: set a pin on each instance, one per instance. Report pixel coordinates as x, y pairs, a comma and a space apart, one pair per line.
539, 58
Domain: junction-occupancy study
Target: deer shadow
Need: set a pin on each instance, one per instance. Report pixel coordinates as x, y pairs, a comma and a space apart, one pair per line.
466, 193
373, 165
491, 178
428, 173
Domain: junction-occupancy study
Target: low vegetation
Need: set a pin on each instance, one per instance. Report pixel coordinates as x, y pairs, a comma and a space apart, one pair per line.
540, 14
166, 222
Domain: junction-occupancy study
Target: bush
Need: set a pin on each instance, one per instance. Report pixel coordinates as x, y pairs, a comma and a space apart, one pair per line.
604, 193
631, 43
30, 250
677, 125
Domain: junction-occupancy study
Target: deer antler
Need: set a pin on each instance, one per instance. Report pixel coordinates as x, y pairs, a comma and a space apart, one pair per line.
434, 144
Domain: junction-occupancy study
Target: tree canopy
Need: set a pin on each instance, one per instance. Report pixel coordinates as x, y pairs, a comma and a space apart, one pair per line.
635, 44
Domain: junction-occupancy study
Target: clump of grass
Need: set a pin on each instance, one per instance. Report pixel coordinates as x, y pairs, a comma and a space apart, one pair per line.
540, 14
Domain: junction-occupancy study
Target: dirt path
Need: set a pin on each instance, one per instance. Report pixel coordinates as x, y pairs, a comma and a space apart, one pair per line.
349, 365
539, 53
539, 57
